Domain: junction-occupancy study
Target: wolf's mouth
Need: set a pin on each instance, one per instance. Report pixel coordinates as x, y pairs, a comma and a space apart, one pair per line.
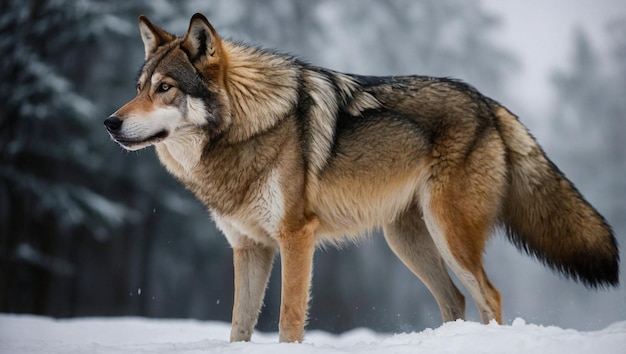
153, 139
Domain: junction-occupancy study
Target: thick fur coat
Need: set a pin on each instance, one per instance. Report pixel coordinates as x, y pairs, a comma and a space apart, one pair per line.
286, 156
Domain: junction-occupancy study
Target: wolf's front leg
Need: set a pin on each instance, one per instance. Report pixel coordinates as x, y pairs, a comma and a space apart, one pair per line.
296, 254
253, 263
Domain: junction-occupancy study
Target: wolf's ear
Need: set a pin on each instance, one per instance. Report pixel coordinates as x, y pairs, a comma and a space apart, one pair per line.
201, 40
152, 36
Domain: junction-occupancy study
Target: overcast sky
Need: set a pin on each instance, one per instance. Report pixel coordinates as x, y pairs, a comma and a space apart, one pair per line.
540, 33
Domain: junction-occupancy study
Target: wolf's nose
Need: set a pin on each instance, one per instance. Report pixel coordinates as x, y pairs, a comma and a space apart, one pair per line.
113, 124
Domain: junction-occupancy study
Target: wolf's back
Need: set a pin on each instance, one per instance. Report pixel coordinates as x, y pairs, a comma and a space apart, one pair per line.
545, 215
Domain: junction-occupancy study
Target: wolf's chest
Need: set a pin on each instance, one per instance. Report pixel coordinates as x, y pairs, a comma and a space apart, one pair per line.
259, 217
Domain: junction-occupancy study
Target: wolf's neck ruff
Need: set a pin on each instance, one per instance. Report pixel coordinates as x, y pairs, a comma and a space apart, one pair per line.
262, 89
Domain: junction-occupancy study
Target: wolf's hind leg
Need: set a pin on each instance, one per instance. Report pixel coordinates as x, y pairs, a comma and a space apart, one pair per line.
460, 204
409, 239
460, 241
253, 263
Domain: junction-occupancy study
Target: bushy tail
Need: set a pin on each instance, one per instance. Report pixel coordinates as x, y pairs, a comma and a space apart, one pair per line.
545, 215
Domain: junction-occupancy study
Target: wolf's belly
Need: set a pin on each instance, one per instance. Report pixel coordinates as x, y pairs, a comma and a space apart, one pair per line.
348, 207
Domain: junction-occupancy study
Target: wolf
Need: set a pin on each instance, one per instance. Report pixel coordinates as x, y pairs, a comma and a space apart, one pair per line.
287, 156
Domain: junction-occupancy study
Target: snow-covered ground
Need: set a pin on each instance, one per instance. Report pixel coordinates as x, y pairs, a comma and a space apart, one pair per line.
31, 334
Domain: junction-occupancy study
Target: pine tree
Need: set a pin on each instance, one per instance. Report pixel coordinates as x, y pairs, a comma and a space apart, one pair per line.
53, 180
591, 106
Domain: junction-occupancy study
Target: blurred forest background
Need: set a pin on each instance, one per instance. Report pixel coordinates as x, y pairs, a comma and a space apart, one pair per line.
87, 229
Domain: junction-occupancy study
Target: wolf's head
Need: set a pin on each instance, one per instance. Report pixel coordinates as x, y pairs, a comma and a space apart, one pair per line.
179, 89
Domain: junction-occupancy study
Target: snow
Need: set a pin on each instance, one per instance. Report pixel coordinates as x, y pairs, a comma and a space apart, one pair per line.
32, 334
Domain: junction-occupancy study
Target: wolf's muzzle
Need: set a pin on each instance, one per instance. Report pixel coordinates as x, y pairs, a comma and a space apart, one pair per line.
113, 124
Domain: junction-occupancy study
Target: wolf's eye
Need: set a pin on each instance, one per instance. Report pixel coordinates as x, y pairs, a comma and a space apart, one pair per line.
164, 87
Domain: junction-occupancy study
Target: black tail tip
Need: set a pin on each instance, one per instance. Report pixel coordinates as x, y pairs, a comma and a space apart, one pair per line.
594, 272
